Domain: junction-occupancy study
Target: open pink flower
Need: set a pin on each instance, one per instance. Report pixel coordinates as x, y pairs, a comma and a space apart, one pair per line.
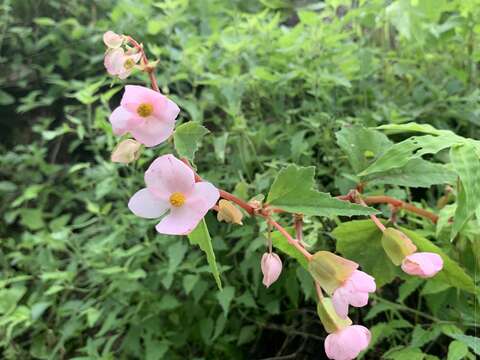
354, 291
271, 265
148, 115
112, 40
347, 343
171, 187
422, 264
119, 63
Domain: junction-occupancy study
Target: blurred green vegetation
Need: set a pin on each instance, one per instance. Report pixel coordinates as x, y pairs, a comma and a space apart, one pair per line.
273, 80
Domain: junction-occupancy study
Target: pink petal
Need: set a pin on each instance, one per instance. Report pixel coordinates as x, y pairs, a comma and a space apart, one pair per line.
152, 131
135, 95
114, 60
362, 336
112, 40
119, 119
271, 266
358, 299
362, 281
166, 110
167, 175
146, 205
422, 264
180, 221
347, 343
340, 303
203, 197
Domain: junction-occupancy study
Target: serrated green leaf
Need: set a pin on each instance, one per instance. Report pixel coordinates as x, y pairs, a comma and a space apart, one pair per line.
361, 241
187, 138
292, 191
466, 163
362, 145
415, 173
451, 273
201, 237
412, 148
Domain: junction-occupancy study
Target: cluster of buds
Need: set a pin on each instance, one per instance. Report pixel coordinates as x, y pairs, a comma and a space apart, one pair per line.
120, 60
401, 251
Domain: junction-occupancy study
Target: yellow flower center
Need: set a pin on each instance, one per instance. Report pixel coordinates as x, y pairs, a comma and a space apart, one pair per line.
128, 64
145, 109
177, 199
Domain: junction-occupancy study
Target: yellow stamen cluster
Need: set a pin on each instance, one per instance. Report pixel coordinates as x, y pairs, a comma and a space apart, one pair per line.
177, 199
128, 64
145, 109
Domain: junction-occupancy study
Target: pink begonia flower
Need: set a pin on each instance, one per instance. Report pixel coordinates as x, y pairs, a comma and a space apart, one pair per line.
119, 63
422, 264
171, 187
347, 343
148, 115
112, 40
271, 265
354, 291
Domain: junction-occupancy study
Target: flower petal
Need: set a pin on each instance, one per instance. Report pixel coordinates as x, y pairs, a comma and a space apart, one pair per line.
112, 40
167, 175
340, 303
119, 119
113, 61
152, 131
135, 95
180, 221
362, 281
146, 205
166, 110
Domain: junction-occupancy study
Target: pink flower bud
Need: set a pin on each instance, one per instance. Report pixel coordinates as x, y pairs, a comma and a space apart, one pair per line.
271, 268
354, 291
347, 343
112, 40
119, 63
126, 151
422, 264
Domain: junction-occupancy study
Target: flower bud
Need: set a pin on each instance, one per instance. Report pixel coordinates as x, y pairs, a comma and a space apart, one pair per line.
271, 268
422, 264
330, 270
229, 213
126, 151
331, 321
112, 40
346, 344
397, 245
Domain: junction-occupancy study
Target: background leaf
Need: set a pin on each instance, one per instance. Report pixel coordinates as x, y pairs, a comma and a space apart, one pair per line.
187, 138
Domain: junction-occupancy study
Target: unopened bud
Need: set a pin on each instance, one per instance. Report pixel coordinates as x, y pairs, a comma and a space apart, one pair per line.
330, 270
271, 265
331, 321
126, 151
229, 213
112, 40
397, 245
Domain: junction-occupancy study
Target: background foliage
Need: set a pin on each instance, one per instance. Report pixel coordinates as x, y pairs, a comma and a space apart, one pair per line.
275, 82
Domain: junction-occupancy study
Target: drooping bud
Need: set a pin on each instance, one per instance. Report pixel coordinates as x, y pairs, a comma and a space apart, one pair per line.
346, 344
397, 245
422, 264
112, 40
229, 213
330, 270
331, 321
271, 265
126, 151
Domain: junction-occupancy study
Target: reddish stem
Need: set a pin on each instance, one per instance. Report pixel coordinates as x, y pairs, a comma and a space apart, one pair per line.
359, 200
298, 227
289, 238
244, 205
148, 69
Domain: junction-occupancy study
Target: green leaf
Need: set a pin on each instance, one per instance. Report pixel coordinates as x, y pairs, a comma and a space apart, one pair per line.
282, 244
414, 127
201, 237
361, 241
225, 298
415, 173
187, 137
412, 148
362, 145
292, 192
451, 273
406, 353
457, 350
472, 341
466, 163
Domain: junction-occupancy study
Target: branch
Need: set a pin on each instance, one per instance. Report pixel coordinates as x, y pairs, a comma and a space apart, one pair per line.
289, 238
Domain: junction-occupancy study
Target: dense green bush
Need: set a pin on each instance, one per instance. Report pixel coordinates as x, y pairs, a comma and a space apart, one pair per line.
274, 81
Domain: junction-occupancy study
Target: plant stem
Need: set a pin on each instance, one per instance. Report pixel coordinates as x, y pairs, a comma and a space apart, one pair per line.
383, 199
377, 222
148, 69
291, 240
